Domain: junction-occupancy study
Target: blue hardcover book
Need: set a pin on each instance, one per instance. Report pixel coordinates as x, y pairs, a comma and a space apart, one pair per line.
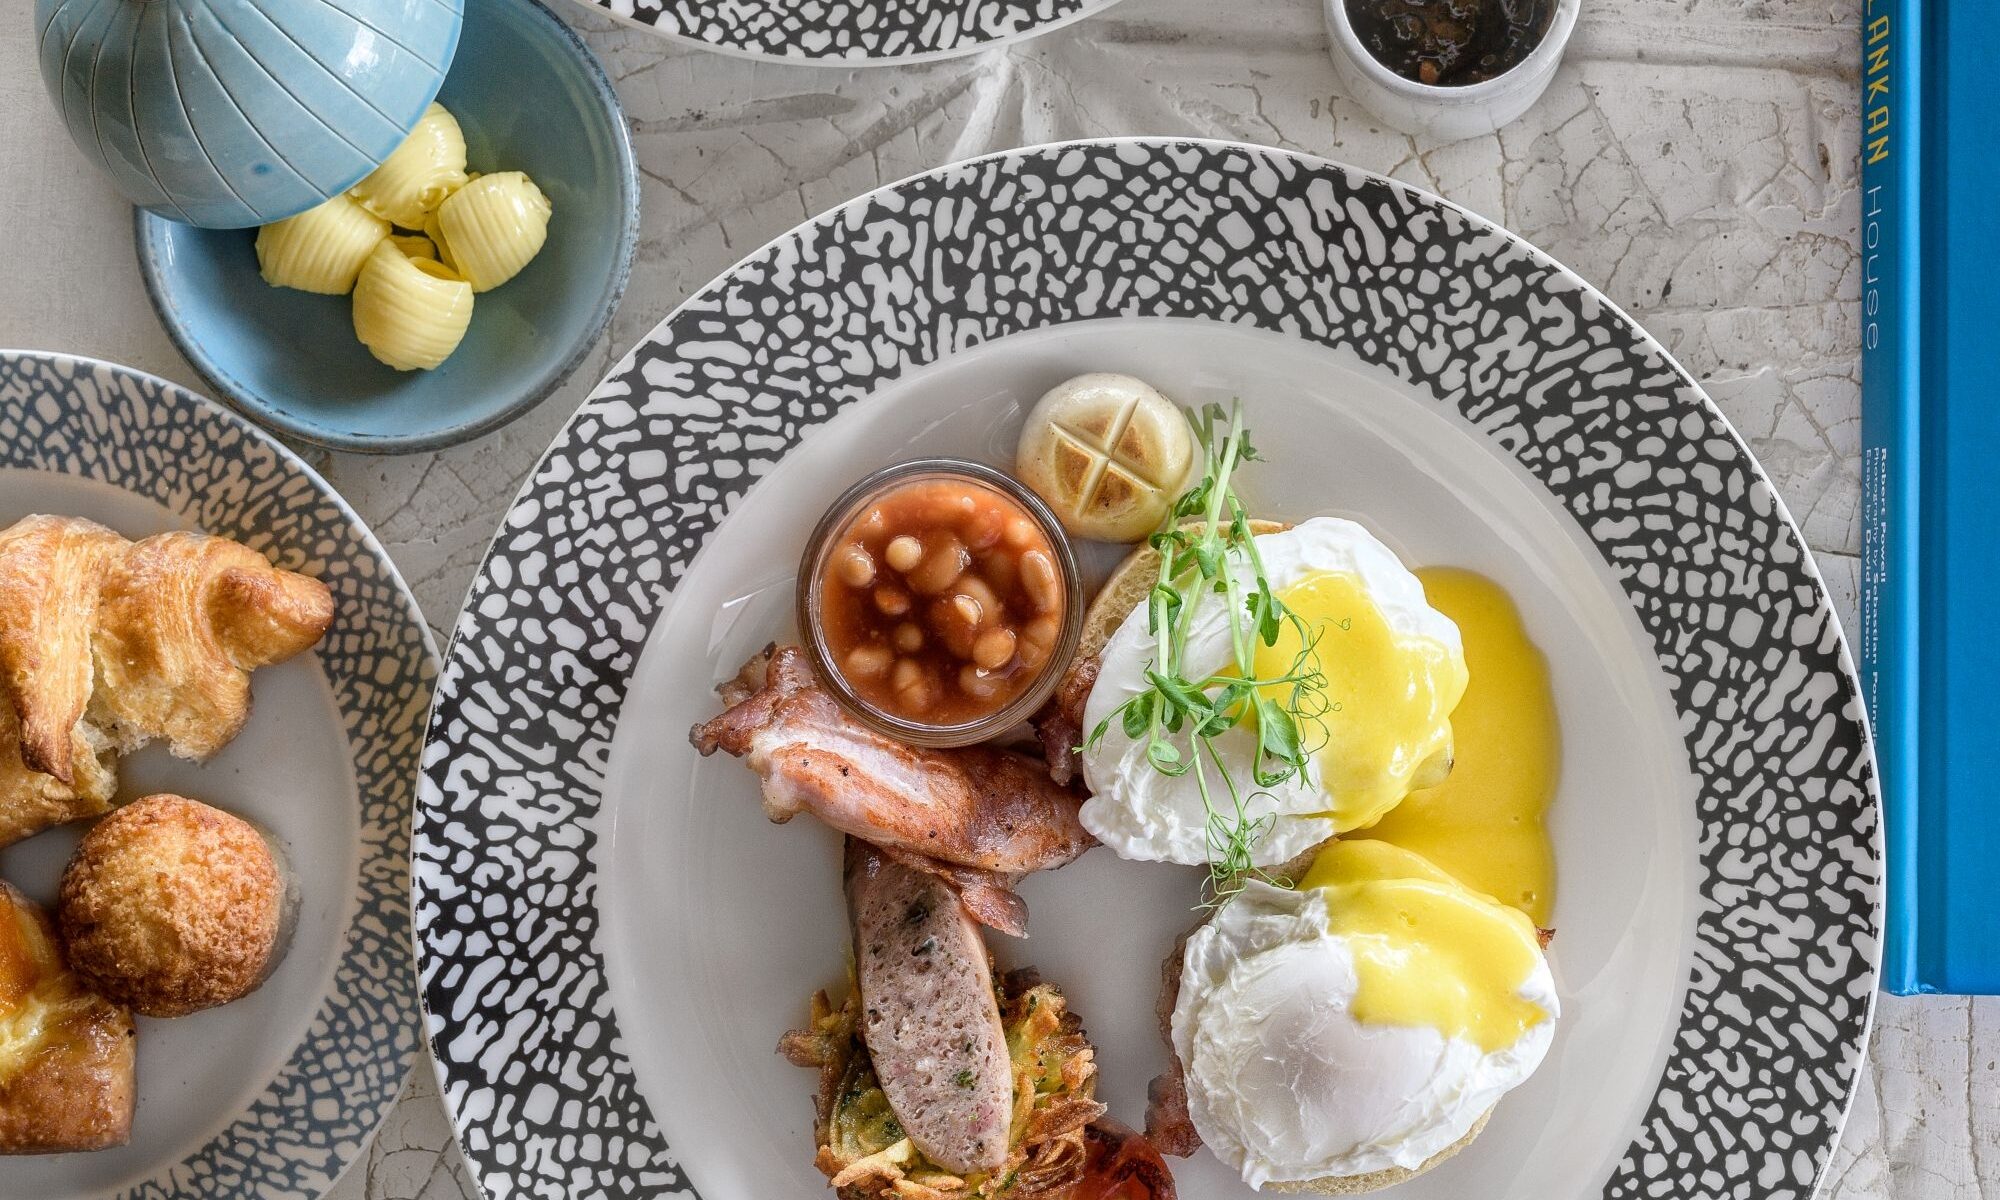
1930, 420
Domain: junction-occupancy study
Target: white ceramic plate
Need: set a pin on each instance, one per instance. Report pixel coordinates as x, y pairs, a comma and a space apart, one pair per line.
850, 32
613, 936
275, 1094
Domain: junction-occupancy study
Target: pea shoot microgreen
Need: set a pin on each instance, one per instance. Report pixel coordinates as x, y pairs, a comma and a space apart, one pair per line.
1205, 548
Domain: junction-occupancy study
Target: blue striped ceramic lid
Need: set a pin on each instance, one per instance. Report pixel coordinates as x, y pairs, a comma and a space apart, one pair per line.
226, 113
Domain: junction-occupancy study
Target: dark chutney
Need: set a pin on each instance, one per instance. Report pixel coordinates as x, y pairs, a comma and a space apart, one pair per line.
1450, 43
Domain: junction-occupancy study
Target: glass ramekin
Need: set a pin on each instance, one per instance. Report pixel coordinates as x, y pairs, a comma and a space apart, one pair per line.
812, 569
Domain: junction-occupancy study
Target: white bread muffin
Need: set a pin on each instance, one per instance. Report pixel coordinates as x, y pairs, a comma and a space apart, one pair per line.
1375, 1181
1127, 588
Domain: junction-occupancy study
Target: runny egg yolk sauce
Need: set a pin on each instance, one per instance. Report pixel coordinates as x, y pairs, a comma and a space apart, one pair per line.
1484, 825
1387, 699
1428, 951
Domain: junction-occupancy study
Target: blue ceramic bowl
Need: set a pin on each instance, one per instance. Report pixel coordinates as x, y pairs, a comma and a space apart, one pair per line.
227, 113
530, 97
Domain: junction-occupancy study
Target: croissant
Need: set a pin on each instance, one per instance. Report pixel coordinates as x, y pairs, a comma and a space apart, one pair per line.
182, 620
106, 645
50, 571
31, 801
66, 1054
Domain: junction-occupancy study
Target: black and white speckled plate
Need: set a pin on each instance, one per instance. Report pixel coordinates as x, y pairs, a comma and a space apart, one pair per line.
612, 937
275, 1095
850, 32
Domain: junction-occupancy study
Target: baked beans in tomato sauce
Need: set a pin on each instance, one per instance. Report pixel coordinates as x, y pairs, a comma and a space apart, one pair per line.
941, 601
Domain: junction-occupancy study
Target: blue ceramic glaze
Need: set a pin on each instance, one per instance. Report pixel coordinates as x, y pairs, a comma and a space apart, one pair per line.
227, 113
530, 97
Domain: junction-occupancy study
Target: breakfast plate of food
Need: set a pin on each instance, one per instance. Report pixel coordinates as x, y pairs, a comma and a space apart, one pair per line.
854, 32
212, 687
1147, 667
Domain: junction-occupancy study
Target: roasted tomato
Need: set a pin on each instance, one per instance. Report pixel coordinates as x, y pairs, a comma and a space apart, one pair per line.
1120, 1164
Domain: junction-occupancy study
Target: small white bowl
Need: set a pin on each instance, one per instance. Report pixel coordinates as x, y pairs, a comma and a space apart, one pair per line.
1446, 114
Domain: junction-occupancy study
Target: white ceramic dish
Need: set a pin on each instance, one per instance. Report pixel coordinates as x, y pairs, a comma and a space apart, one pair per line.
1341, 441
1446, 114
275, 1094
613, 936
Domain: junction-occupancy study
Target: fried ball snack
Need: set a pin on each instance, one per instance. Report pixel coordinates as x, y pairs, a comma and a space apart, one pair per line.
171, 906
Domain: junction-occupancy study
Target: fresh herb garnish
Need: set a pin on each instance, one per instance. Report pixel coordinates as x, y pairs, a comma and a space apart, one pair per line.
1205, 548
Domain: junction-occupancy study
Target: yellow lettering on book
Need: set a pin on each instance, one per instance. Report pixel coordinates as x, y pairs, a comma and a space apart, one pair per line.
1876, 94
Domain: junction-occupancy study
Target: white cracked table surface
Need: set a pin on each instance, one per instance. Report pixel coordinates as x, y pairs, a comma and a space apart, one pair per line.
1696, 159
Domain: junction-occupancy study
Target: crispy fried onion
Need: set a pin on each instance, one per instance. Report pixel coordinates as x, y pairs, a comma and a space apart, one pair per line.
862, 1148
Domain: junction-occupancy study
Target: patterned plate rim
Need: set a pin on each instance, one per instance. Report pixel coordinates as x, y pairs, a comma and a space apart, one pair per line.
513, 1104
356, 1053
737, 47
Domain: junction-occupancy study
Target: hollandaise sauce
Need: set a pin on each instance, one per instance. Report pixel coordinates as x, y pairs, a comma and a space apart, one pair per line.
1385, 710
1428, 951
1485, 824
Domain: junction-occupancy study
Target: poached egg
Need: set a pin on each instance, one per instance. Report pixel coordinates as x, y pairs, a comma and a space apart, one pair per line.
1394, 670
1364, 1020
